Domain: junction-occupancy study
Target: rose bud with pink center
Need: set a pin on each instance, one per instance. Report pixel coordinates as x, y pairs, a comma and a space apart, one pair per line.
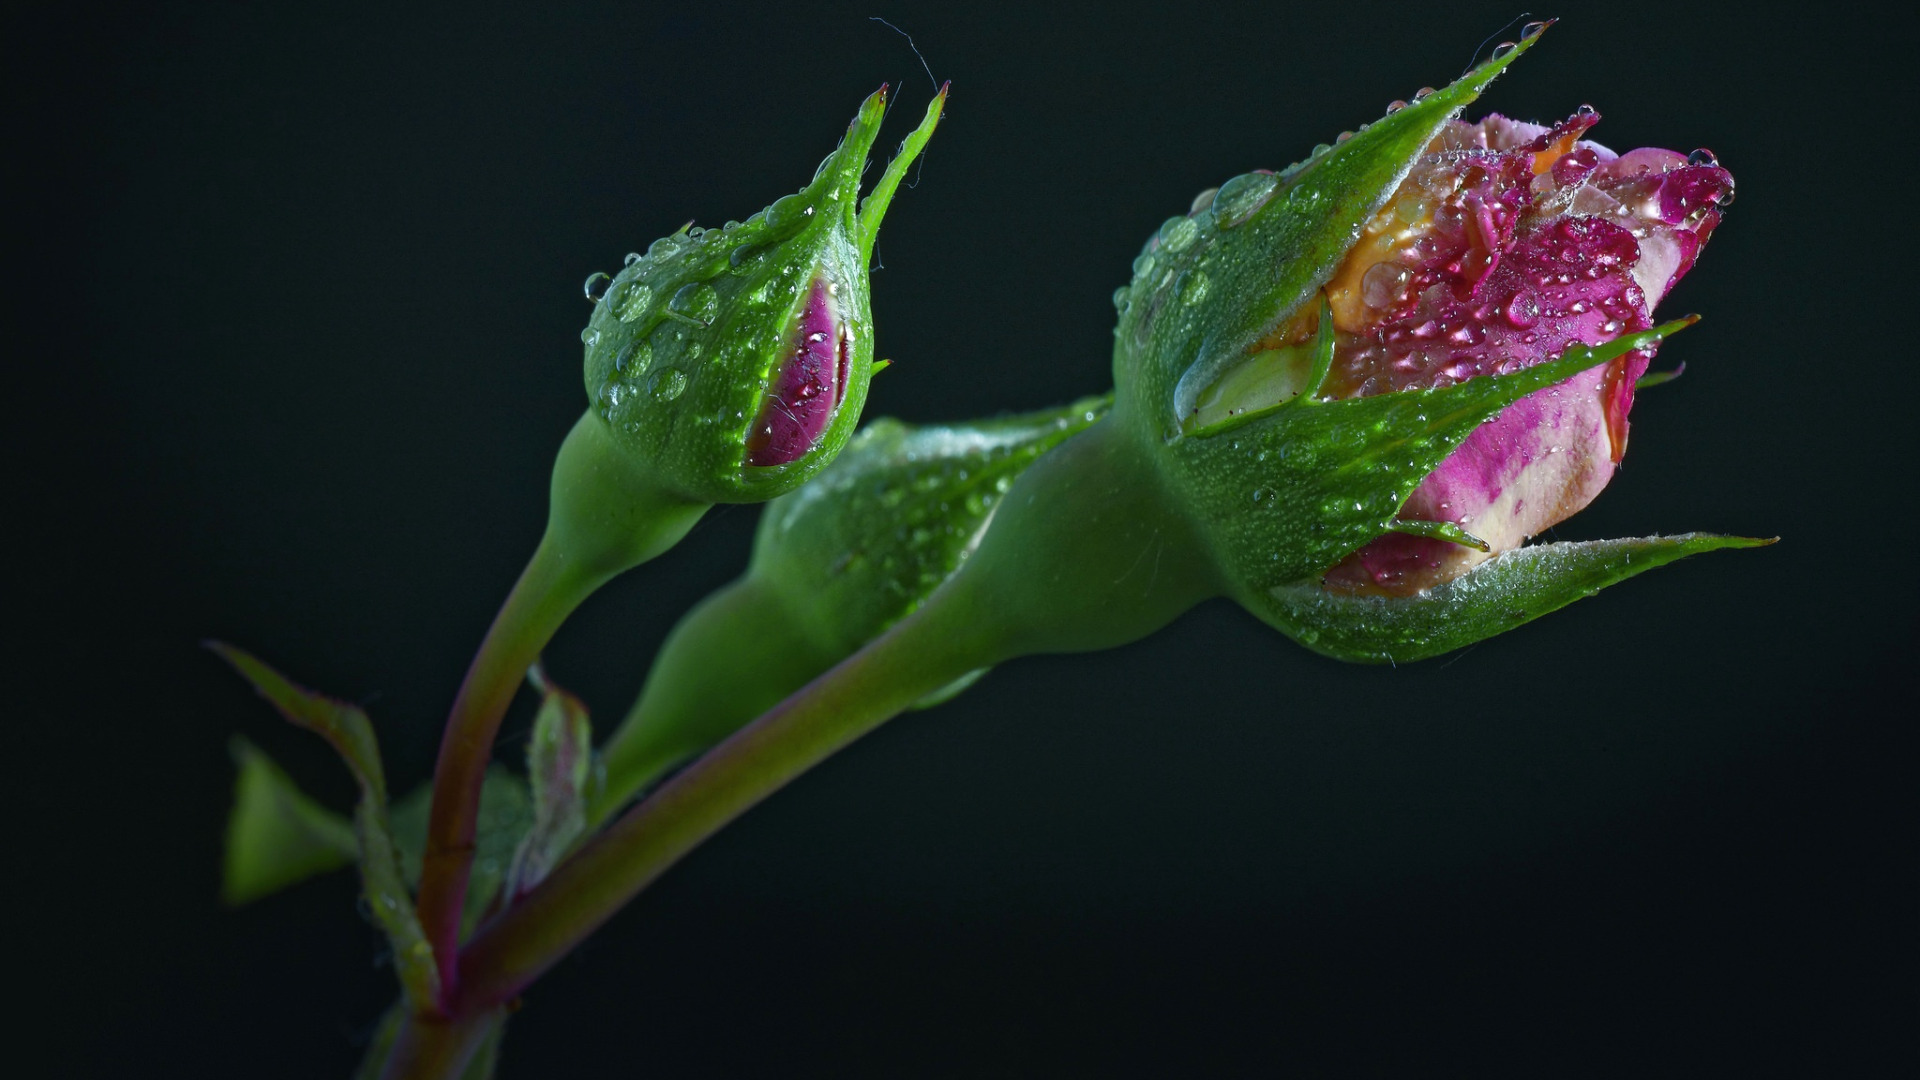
733, 362
1507, 243
1343, 389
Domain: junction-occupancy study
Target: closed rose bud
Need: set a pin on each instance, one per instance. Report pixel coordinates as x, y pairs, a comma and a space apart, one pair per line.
733, 361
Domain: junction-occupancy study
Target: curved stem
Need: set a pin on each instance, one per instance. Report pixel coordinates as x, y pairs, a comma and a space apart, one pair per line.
605, 515
732, 657
548, 591
944, 639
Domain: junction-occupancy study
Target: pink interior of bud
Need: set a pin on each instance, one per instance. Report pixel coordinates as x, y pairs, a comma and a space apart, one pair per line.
803, 394
1506, 244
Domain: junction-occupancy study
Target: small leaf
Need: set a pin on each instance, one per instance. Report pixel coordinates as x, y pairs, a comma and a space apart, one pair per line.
505, 813
345, 726
276, 835
1499, 594
559, 762
351, 733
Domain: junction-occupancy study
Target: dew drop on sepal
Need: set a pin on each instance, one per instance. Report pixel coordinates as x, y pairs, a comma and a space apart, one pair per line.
667, 383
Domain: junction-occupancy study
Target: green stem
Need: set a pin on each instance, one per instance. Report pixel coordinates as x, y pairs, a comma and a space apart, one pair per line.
606, 514
547, 592
945, 639
431, 1048
732, 657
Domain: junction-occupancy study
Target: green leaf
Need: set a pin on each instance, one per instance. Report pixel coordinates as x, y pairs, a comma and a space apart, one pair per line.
347, 728
1287, 493
506, 811
1504, 592
559, 763
276, 835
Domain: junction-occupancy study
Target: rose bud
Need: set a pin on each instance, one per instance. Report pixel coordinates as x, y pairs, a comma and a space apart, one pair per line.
724, 365
734, 361
1499, 248
834, 565
1299, 355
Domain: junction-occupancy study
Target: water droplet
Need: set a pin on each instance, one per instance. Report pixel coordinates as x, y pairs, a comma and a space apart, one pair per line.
1725, 198
596, 286
696, 300
1522, 311
632, 257
1192, 286
1532, 30
1320, 150
1120, 298
1203, 201
1143, 266
637, 356
1702, 156
634, 302
667, 383
742, 255
1342, 137
589, 337
1239, 198
663, 247
1395, 106
1423, 93
1178, 234
788, 211
1382, 283
1503, 50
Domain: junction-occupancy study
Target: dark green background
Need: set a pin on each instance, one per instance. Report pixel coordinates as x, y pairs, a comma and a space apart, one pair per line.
295, 304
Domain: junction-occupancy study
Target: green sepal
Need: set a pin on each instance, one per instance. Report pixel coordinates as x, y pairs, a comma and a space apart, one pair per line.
873, 208
1512, 588
1659, 378
506, 812
686, 340
1210, 285
1440, 530
1292, 491
277, 835
349, 731
859, 548
559, 767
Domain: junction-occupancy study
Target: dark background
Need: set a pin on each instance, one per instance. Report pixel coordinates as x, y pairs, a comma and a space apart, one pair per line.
296, 298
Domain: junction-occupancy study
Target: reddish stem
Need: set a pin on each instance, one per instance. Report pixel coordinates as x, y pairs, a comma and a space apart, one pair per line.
547, 592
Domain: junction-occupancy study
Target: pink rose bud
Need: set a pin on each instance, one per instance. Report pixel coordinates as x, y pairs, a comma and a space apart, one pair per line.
1507, 243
